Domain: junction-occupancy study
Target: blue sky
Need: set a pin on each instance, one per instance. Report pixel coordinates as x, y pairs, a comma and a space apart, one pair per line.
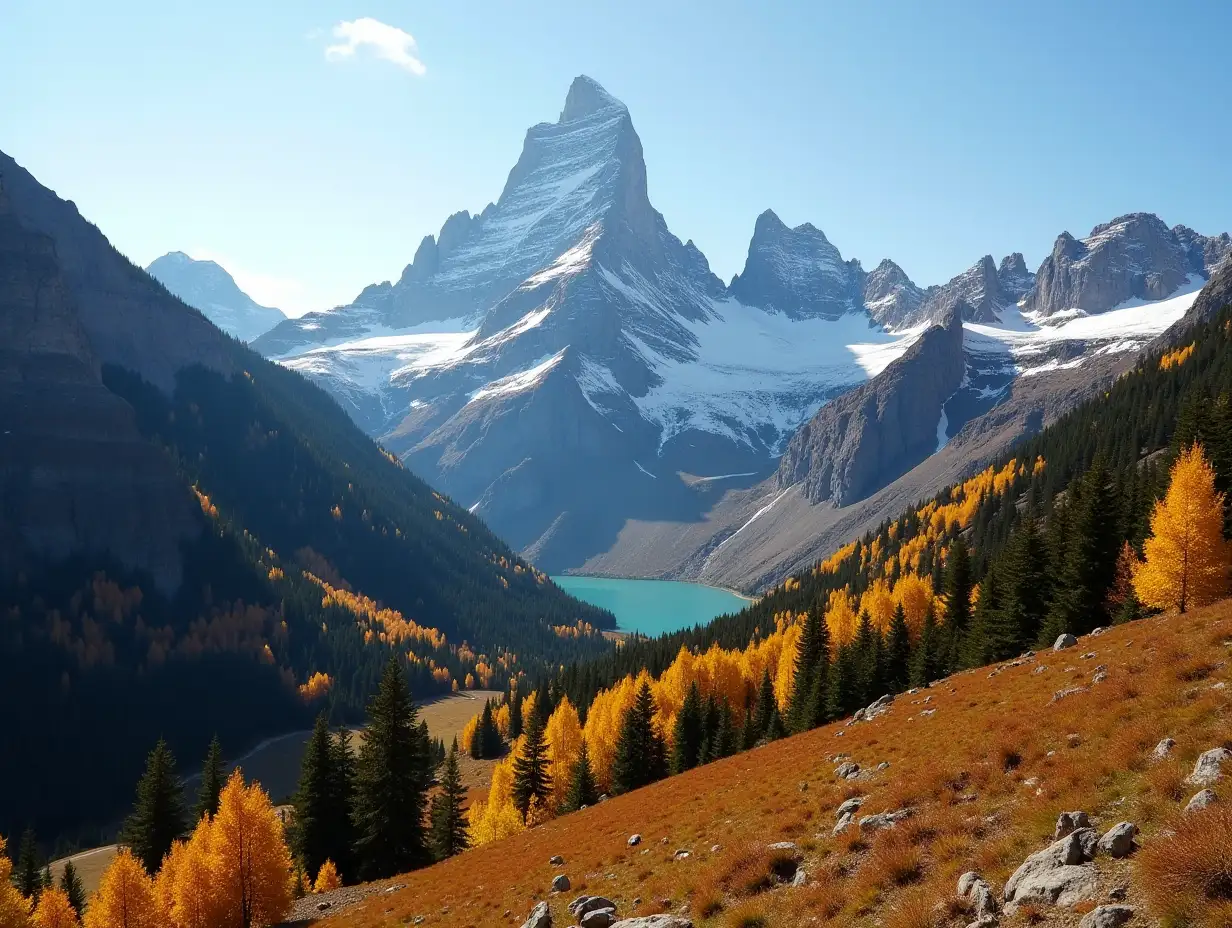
929, 132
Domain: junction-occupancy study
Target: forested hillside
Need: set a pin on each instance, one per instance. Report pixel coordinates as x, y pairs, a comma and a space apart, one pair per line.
1117, 511
223, 553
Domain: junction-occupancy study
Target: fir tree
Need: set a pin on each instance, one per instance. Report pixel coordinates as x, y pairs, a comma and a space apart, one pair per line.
843, 694
766, 707
157, 819
515, 714
1025, 590
212, 780
870, 662
583, 791
27, 875
726, 734
982, 643
958, 585
70, 883
688, 732
812, 660
641, 757
776, 729
924, 661
322, 829
449, 835
898, 651
531, 780
1090, 557
342, 791
391, 782
710, 730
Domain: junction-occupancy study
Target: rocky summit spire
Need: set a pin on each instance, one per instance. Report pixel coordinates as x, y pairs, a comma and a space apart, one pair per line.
587, 97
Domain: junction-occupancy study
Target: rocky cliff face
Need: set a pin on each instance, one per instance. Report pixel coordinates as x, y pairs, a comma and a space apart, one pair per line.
206, 286
890, 297
75, 475
878, 431
1132, 257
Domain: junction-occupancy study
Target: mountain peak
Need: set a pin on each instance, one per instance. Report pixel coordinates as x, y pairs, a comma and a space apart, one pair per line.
587, 97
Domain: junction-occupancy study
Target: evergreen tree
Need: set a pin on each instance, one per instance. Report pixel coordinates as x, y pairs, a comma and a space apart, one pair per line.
1025, 590
812, 660
449, 835
70, 883
1078, 603
765, 709
342, 791
870, 662
531, 780
391, 782
958, 584
983, 641
641, 757
515, 714
776, 729
583, 791
843, 695
486, 743
710, 730
925, 660
898, 652
688, 732
212, 780
27, 874
726, 735
158, 818
322, 821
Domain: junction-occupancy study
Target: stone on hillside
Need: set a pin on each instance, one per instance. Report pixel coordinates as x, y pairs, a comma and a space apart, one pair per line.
850, 806
1058, 874
560, 883
540, 917
654, 921
1100, 676
715, 848
1067, 692
841, 825
556, 861
1118, 841
787, 846
583, 904
1064, 641
635, 840
598, 918
883, 820
800, 878
1040, 668
972, 886
1201, 800
1069, 822
848, 770
884, 765
1208, 769
1107, 916
681, 854
966, 881
1096, 632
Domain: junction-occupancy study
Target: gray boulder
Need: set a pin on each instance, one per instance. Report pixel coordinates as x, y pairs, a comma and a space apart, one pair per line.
983, 902
560, 883
883, 820
540, 917
654, 921
848, 770
1058, 874
584, 904
800, 878
1068, 823
598, 918
1064, 641
1201, 800
556, 861
635, 840
1163, 749
849, 806
841, 825
1118, 841
1208, 769
1107, 916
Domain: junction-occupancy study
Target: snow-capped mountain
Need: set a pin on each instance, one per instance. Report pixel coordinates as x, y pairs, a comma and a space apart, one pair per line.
206, 286
567, 367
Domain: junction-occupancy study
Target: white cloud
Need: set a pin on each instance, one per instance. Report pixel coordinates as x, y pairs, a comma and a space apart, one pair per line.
387, 42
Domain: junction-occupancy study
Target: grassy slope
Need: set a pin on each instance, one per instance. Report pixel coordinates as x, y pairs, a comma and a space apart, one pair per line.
1089, 751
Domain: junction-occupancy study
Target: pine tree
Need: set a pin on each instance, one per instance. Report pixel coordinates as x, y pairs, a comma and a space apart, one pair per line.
688, 732
843, 695
1186, 558
515, 714
1123, 604
531, 780
70, 882
898, 651
27, 875
726, 735
776, 729
449, 835
391, 782
212, 779
710, 730
640, 757
812, 659
158, 817
870, 661
583, 791
322, 829
982, 644
342, 793
1025, 588
766, 706
958, 584
1090, 557
924, 661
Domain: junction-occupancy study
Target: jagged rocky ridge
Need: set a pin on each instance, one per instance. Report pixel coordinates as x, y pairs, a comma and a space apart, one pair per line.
206, 286
562, 364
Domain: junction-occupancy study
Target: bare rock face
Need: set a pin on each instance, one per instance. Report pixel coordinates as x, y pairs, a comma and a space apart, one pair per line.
1135, 255
75, 474
890, 296
868, 437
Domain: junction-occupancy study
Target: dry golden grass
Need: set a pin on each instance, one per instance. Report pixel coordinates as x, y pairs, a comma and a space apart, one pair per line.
986, 775
1187, 874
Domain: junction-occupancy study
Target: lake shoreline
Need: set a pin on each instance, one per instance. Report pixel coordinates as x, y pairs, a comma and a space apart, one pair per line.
710, 586
652, 607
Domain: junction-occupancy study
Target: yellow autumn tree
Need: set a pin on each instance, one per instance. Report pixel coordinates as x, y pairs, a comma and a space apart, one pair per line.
564, 737
1186, 557
497, 817
186, 881
54, 910
125, 897
327, 878
14, 907
251, 864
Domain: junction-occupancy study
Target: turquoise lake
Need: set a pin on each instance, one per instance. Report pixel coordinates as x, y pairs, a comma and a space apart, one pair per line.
653, 607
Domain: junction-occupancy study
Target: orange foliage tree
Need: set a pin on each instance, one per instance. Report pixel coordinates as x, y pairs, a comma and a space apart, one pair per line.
1186, 557
251, 862
125, 897
14, 907
54, 910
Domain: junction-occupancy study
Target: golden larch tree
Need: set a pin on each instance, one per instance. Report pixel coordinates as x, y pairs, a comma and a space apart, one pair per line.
564, 743
54, 910
327, 878
186, 881
125, 897
251, 864
1186, 557
14, 907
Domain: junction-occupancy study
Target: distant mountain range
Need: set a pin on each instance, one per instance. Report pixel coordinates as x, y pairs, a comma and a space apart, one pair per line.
563, 365
208, 287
